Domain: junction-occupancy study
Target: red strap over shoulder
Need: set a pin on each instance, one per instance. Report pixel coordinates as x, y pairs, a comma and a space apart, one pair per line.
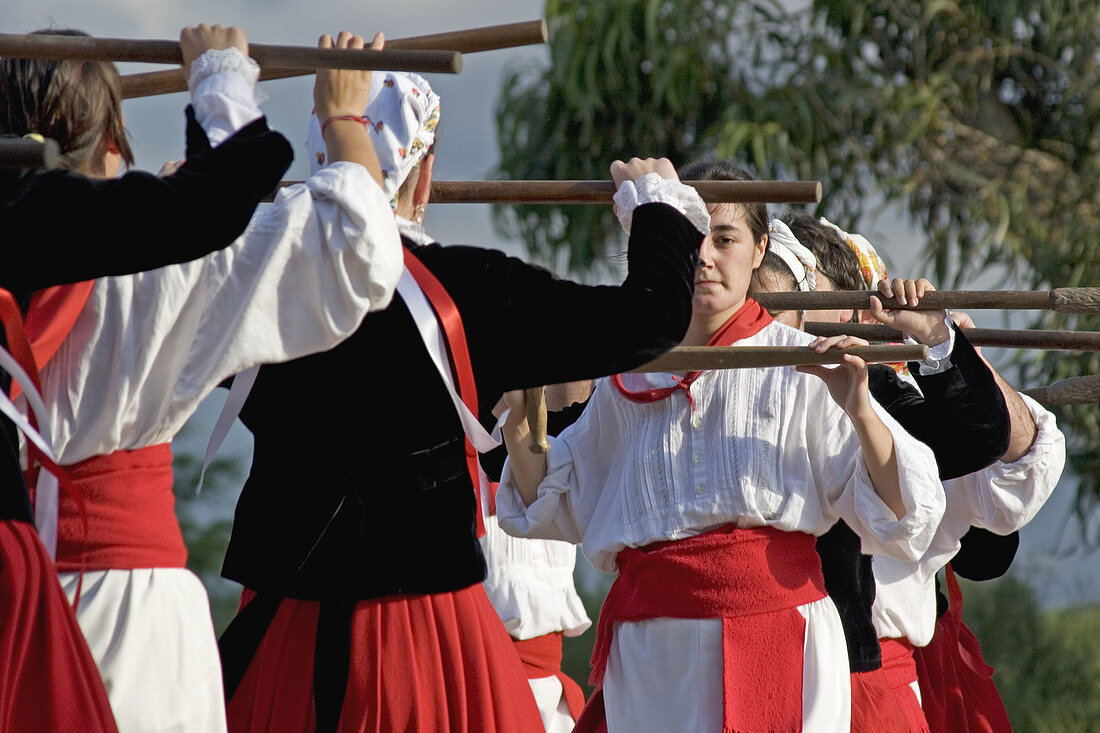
455, 335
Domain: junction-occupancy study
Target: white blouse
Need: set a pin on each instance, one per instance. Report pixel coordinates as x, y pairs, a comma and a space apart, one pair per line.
764, 447
147, 348
530, 584
1001, 498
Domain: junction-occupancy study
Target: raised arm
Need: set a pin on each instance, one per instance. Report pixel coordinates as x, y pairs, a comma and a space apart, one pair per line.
847, 385
82, 228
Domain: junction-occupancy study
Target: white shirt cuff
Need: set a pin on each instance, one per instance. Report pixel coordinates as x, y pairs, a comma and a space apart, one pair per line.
653, 188
939, 356
223, 84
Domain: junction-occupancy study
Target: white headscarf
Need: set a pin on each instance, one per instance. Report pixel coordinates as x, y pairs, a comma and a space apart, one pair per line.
795, 255
402, 113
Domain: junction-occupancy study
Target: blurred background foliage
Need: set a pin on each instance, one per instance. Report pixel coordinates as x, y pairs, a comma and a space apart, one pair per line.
979, 120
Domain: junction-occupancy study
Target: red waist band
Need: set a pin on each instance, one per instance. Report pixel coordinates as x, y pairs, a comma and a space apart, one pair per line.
724, 573
541, 657
131, 514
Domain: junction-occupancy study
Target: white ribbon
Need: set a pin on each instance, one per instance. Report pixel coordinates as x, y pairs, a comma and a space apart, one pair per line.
47, 489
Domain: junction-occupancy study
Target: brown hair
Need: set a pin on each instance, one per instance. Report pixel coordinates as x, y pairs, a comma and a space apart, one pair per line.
718, 169
76, 103
835, 259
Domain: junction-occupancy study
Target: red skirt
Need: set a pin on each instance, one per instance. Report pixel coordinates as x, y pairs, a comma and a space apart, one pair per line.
48, 680
448, 665
956, 685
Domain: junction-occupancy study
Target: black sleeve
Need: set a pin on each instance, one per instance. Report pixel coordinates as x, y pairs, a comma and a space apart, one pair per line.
545, 330
961, 416
63, 227
985, 555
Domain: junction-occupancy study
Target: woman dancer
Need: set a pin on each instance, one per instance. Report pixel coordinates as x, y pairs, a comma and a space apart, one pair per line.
704, 492
133, 357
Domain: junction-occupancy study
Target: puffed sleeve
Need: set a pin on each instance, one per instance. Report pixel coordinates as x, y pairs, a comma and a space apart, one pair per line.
298, 281
1005, 496
575, 475
845, 483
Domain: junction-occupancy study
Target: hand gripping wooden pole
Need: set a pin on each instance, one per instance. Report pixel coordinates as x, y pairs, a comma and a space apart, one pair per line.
474, 40
46, 46
1007, 338
1060, 300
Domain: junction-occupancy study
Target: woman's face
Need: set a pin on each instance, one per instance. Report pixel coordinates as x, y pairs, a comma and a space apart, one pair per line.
726, 261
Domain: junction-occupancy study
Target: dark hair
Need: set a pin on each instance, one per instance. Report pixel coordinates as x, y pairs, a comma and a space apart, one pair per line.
718, 169
773, 265
836, 260
76, 103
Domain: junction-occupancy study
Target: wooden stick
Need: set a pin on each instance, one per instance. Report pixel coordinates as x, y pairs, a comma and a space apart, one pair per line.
27, 153
474, 40
536, 419
1060, 300
697, 358
1007, 338
600, 192
1071, 391
46, 46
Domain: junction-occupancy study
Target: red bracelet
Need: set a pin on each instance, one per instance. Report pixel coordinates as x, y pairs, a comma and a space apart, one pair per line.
355, 118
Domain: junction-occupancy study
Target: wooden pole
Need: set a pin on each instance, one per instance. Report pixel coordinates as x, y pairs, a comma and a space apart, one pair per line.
27, 153
474, 40
1007, 338
536, 419
600, 192
1060, 300
46, 46
698, 358
1071, 391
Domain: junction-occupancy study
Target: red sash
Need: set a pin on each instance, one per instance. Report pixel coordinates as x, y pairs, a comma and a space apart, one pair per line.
875, 705
131, 514
956, 685
901, 672
749, 319
455, 336
541, 657
752, 579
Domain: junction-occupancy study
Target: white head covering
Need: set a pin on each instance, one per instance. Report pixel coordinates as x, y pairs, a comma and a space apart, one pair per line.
795, 255
402, 113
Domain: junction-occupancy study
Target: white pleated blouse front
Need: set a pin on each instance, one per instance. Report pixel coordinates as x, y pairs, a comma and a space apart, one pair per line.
762, 447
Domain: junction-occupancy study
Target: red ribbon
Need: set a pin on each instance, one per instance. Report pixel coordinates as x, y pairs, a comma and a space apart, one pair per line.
749, 320
455, 336
12, 319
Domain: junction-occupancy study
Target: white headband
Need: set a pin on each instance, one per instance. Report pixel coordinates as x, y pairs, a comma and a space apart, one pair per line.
795, 255
402, 114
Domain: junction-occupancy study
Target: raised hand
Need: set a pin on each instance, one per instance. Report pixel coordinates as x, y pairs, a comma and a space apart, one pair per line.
195, 40
925, 327
847, 382
343, 91
635, 168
